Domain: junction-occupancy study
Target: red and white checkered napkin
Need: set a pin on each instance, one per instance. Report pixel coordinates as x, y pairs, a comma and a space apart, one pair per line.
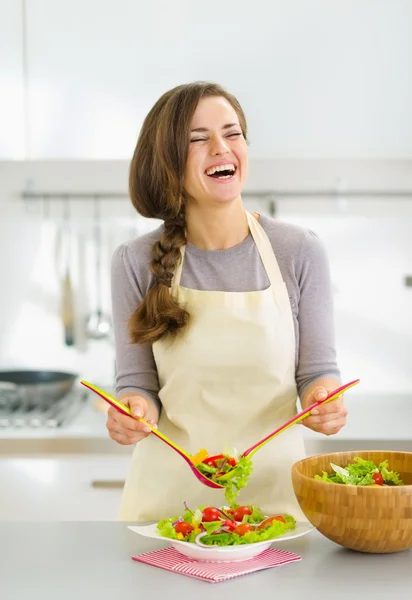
214, 572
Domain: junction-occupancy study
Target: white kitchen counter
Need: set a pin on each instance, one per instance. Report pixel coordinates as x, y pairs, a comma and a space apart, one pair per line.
49, 561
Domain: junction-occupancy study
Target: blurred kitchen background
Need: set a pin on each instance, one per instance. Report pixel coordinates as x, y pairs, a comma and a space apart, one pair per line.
327, 89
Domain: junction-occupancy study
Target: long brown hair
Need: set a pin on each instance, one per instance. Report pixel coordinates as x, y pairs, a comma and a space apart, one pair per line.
156, 191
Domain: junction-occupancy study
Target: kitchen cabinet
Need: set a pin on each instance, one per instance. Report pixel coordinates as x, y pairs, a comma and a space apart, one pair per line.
59, 488
90, 93
95, 69
12, 116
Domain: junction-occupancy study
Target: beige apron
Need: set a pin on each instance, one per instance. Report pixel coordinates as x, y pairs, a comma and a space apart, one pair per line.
228, 381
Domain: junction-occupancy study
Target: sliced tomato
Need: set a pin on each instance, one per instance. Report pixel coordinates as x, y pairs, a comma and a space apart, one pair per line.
243, 528
240, 512
270, 520
229, 511
229, 524
183, 528
211, 514
378, 479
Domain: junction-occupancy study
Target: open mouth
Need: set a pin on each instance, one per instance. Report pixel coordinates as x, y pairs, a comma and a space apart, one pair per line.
222, 171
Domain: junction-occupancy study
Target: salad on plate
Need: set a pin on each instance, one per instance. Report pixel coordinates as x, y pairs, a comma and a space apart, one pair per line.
362, 472
226, 526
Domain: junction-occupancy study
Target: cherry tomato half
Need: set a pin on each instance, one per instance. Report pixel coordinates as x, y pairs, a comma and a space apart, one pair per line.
211, 514
183, 528
243, 528
378, 479
240, 512
229, 524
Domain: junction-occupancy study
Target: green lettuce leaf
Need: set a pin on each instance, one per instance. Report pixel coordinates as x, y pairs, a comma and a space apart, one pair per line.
166, 529
389, 477
256, 517
236, 479
206, 469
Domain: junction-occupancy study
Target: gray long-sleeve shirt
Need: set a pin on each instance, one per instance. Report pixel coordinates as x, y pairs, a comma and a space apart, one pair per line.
305, 269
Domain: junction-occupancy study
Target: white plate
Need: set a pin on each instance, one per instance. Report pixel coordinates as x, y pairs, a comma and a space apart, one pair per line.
219, 553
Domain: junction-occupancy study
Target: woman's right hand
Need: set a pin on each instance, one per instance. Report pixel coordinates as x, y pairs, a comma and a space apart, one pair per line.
127, 430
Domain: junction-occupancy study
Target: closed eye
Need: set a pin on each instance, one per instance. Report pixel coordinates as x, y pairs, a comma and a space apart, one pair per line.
205, 139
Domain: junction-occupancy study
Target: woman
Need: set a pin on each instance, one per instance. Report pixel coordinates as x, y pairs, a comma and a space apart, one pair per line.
222, 318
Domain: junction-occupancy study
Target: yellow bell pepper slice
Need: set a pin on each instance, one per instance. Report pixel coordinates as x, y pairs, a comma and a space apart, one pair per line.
200, 456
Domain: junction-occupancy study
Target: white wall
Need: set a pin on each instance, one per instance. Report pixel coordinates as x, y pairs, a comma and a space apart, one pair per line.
316, 78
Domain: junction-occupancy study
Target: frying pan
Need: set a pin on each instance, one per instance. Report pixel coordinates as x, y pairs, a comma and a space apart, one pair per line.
36, 388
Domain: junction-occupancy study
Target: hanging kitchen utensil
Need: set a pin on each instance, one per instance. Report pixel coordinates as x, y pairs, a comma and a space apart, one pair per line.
67, 299
98, 323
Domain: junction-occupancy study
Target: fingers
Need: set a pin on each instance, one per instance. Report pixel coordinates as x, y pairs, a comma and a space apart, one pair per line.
129, 434
329, 427
329, 408
124, 422
138, 406
125, 429
319, 421
328, 418
319, 393
327, 424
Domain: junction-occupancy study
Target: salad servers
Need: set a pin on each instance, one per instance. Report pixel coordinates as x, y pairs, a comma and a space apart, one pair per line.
122, 408
247, 453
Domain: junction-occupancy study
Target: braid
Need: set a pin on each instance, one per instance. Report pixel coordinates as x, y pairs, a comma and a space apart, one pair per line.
160, 313
166, 252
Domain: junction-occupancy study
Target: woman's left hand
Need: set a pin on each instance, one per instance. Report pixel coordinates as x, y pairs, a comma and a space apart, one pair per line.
328, 418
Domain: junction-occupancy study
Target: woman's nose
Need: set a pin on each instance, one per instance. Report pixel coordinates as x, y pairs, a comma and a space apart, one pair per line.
219, 146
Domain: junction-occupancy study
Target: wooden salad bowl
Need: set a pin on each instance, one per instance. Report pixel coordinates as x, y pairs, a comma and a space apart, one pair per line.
363, 518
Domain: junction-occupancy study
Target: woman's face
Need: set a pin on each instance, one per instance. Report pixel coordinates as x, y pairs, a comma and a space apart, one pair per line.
217, 162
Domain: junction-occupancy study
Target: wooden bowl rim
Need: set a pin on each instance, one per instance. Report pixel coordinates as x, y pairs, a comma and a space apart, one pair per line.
319, 483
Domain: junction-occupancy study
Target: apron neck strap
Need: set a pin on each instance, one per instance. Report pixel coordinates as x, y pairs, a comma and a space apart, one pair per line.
264, 248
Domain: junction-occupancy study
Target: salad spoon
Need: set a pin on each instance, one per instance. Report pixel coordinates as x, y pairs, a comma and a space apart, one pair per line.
122, 408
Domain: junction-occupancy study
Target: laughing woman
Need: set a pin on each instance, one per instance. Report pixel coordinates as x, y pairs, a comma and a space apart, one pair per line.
223, 318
